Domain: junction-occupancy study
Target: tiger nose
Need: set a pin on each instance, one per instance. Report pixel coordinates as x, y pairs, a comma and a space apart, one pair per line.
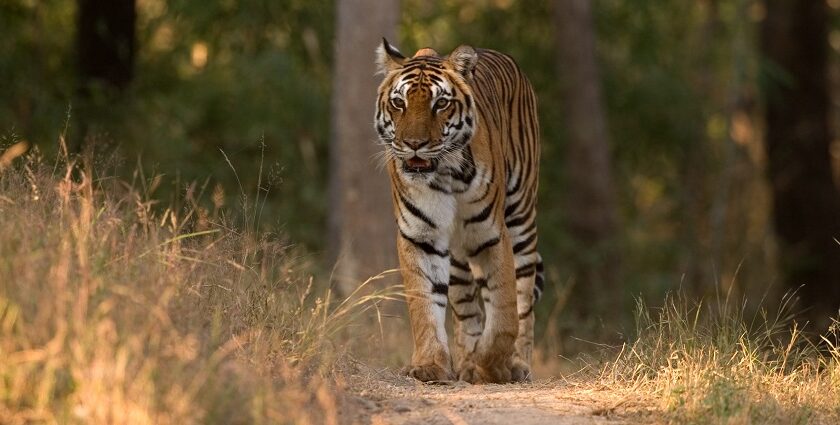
415, 143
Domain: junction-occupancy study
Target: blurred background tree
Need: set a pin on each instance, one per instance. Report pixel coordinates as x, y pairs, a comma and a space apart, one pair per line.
806, 199
592, 223
105, 48
361, 233
681, 183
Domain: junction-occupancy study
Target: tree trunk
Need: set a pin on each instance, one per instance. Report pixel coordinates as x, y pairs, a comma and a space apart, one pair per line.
105, 48
591, 209
794, 40
106, 43
361, 222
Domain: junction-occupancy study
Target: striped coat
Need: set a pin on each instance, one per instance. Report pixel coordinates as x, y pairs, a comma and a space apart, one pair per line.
461, 144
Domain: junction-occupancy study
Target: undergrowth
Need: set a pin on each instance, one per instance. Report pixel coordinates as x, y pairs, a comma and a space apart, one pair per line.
114, 309
715, 364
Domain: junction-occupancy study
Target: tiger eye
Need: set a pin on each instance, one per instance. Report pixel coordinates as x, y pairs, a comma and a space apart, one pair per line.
398, 103
441, 103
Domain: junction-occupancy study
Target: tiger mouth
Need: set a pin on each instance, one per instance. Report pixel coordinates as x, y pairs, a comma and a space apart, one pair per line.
416, 164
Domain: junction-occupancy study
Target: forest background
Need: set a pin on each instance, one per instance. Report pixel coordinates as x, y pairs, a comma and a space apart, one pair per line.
685, 145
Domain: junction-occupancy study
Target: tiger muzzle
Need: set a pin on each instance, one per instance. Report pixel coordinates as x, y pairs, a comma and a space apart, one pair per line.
419, 165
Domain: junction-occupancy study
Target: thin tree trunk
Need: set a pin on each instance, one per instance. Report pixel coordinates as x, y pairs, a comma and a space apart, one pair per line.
105, 48
591, 209
361, 222
794, 39
106, 42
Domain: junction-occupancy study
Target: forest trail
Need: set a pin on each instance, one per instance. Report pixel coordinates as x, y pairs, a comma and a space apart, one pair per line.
385, 398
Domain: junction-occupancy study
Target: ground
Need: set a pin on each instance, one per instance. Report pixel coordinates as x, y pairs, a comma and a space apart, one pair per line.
381, 397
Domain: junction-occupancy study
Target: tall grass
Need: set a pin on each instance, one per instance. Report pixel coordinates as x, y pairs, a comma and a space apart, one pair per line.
114, 309
715, 364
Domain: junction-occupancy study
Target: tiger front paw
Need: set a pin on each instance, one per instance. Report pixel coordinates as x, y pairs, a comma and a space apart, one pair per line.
496, 373
429, 373
520, 371
468, 372
473, 373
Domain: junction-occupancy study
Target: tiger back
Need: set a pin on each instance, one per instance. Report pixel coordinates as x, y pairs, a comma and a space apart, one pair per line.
461, 140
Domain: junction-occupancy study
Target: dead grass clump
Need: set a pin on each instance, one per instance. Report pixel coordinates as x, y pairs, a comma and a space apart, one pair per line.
714, 365
113, 310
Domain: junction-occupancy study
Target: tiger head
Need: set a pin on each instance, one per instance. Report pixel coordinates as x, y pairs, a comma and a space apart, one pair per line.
425, 110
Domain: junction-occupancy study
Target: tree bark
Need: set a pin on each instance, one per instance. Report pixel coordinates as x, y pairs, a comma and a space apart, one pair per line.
591, 208
806, 204
361, 222
106, 42
105, 48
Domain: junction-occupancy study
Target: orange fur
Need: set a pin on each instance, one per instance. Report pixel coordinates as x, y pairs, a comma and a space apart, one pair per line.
463, 142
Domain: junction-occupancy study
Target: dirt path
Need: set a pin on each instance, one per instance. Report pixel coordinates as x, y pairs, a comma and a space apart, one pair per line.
386, 398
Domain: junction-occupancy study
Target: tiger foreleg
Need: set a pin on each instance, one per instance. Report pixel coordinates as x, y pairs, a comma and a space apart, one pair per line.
493, 269
465, 298
426, 276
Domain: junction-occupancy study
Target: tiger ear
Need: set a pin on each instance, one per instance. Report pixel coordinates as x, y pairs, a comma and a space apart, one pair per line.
463, 60
388, 58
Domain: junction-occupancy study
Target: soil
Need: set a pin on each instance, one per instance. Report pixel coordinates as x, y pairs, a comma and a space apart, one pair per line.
386, 397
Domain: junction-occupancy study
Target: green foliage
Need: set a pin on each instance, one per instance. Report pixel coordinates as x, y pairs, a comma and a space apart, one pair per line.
264, 77
36, 66
252, 78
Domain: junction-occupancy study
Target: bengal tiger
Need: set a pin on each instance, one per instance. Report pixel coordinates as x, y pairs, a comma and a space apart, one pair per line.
461, 145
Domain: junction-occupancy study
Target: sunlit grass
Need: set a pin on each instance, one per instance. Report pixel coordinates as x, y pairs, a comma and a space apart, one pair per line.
114, 309
714, 364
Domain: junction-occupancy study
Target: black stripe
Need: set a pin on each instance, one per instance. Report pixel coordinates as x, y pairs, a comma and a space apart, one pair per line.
440, 304
478, 218
528, 229
461, 318
485, 245
417, 212
525, 271
481, 282
439, 188
524, 244
515, 187
483, 195
467, 171
529, 251
425, 246
525, 314
465, 175
457, 281
457, 126
440, 288
518, 221
467, 299
459, 265
512, 208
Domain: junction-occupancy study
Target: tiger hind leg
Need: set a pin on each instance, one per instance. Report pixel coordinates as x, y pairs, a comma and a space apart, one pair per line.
529, 286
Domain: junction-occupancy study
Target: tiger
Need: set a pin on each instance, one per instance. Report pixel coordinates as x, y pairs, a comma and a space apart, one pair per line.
460, 139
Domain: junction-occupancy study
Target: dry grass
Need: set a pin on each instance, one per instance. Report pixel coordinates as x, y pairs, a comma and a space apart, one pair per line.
115, 310
711, 364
